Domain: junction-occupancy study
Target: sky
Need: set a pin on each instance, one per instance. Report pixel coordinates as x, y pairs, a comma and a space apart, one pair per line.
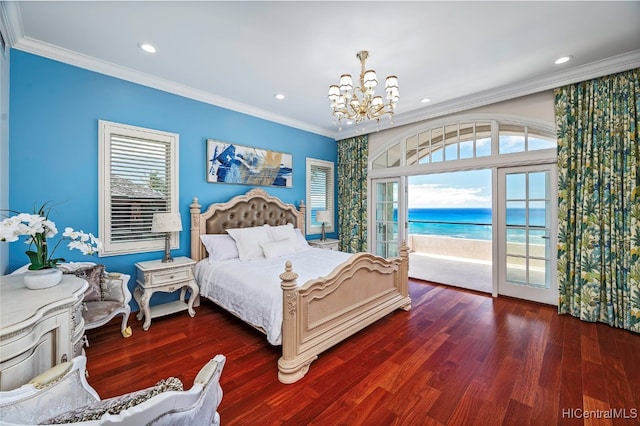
451, 190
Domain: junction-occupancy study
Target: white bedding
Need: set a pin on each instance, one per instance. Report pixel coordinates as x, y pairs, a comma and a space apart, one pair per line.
251, 289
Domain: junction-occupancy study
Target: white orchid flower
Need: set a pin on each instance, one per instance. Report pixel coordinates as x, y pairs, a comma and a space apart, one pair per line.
38, 228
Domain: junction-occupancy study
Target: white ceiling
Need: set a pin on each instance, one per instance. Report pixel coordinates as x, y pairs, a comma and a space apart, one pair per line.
239, 54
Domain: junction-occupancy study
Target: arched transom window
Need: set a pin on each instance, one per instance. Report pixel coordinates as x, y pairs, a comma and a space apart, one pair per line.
464, 140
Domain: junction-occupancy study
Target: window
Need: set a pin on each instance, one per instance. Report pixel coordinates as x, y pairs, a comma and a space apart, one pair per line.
319, 194
464, 141
138, 177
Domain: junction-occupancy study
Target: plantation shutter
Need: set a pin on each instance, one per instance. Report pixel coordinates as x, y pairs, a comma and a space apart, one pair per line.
320, 191
140, 186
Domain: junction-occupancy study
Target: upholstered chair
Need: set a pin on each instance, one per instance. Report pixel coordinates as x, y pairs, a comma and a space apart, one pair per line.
62, 395
108, 295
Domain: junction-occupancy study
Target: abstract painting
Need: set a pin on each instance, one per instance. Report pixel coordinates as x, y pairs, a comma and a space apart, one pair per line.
231, 163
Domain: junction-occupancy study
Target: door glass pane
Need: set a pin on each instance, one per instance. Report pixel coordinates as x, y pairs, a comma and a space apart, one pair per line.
537, 213
516, 270
516, 241
538, 273
538, 185
392, 250
516, 186
538, 243
392, 231
516, 213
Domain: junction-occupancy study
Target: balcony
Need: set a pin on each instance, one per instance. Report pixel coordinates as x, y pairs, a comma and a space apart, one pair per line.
467, 263
459, 262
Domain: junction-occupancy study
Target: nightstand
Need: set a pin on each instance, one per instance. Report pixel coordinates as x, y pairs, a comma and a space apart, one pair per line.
328, 244
167, 277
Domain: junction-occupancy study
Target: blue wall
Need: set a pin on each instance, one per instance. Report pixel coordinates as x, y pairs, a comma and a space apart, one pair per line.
53, 146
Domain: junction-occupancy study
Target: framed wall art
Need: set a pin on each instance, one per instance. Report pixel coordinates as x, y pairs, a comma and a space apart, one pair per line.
232, 163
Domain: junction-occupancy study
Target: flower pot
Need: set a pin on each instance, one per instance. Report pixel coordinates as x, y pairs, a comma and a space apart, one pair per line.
43, 278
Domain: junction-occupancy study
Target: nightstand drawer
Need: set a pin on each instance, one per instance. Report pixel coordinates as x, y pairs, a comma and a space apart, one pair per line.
328, 244
168, 277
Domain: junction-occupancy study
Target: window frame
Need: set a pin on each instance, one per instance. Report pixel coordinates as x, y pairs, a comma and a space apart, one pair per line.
105, 131
313, 163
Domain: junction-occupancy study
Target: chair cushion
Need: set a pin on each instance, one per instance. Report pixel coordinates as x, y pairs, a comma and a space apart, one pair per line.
93, 275
97, 310
116, 404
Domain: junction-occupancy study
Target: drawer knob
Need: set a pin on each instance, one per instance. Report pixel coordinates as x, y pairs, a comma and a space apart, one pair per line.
171, 277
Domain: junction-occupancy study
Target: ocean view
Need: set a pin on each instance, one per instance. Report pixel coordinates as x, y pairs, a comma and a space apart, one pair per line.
472, 223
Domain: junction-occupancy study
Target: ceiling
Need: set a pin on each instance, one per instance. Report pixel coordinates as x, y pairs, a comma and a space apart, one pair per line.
238, 54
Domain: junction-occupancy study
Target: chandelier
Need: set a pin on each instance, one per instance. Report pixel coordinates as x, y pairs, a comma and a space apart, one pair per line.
360, 103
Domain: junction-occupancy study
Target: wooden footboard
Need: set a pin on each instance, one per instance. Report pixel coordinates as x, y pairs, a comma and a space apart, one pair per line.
325, 311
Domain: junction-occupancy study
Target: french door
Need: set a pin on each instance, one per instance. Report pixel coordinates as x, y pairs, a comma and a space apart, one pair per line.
388, 202
527, 233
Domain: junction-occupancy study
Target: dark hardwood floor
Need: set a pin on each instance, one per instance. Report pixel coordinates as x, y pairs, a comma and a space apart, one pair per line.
457, 358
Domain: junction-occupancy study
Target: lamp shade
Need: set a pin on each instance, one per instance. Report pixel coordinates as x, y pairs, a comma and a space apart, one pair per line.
166, 222
323, 216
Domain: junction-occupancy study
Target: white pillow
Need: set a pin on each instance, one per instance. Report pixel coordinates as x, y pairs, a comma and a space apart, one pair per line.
301, 239
284, 232
248, 241
273, 249
220, 246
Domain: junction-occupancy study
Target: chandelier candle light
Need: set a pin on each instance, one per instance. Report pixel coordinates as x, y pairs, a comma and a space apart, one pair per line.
360, 103
167, 223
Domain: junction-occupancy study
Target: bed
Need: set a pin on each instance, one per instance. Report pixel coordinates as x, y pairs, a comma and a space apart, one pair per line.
314, 311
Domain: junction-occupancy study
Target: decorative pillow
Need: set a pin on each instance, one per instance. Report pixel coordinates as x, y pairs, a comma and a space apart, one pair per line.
220, 246
93, 275
115, 405
282, 232
248, 241
273, 249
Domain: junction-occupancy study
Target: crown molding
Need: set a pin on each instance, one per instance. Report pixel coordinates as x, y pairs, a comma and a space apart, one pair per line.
10, 22
589, 71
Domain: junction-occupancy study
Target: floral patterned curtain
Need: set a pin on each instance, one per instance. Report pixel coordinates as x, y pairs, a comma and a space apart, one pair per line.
352, 193
599, 199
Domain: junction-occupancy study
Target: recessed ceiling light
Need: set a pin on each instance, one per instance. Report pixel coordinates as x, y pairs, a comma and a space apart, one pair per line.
563, 59
348, 123
425, 100
279, 96
149, 48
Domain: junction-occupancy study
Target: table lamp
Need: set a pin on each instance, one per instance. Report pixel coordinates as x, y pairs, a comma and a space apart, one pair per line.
323, 216
167, 223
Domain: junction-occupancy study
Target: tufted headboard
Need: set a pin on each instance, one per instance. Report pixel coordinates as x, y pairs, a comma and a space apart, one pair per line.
255, 208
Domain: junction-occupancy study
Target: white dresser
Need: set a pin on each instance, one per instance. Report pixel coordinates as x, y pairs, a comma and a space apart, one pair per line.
38, 328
